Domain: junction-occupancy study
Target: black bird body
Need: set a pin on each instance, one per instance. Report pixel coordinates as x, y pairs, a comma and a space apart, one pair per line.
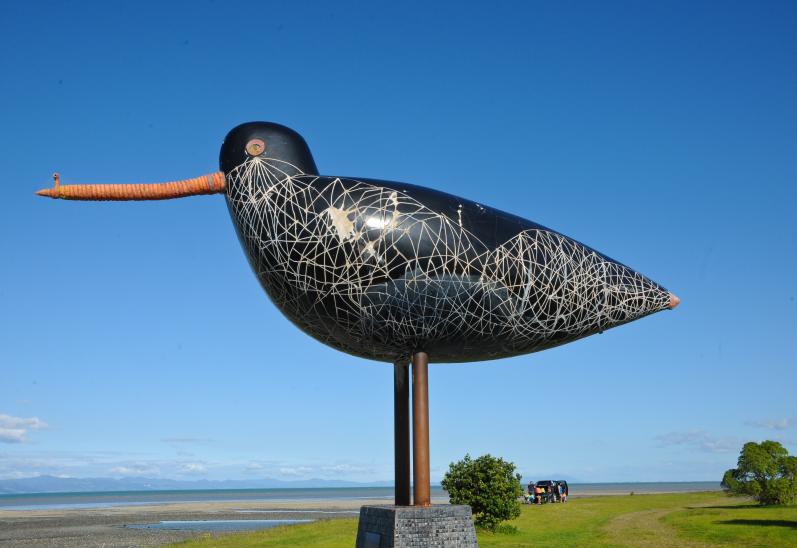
382, 269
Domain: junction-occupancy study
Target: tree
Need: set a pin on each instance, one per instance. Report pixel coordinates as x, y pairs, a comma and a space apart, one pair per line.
765, 471
489, 485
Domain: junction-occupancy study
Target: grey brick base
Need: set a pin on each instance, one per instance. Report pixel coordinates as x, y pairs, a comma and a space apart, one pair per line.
412, 526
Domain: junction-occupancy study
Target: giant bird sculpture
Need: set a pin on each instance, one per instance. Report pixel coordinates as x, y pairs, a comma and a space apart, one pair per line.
387, 270
380, 269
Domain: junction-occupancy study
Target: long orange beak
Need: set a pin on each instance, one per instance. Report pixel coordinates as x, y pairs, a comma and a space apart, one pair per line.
213, 183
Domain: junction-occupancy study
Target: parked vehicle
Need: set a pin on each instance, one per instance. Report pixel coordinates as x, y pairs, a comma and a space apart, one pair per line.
547, 491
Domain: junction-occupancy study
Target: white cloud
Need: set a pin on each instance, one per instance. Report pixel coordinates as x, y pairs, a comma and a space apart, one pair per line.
135, 470
12, 435
122, 470
193, 468
7, 421
14, 429
774, 424
700, 440
345, 467
339, 470
295, 471
19, 462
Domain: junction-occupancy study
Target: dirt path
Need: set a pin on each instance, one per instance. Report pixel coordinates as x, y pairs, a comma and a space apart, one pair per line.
646, 528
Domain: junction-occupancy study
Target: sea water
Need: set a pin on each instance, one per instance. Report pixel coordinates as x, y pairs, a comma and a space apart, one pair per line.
39, 501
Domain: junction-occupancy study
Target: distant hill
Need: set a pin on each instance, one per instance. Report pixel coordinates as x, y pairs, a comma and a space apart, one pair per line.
52, 484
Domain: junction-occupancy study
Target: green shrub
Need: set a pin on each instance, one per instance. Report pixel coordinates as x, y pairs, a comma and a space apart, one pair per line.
765, 471
489, 485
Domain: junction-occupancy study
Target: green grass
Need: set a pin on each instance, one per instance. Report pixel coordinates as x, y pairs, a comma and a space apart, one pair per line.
694, 519
333, 533
748, 524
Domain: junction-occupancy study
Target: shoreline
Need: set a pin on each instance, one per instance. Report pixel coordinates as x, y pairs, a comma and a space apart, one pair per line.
137, 497
35, 503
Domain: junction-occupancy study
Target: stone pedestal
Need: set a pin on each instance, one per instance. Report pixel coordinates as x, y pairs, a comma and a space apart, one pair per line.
415, 526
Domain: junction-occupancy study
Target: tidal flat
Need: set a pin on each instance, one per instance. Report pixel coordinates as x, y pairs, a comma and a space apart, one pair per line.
110, 526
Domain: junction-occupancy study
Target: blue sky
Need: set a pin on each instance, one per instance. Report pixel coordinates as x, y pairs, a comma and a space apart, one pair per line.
134, 340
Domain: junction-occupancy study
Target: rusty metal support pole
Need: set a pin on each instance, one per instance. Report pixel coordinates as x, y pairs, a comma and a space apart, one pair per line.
420, 429
401, 431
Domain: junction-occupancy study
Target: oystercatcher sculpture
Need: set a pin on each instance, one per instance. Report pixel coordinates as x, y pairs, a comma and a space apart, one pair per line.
391, 271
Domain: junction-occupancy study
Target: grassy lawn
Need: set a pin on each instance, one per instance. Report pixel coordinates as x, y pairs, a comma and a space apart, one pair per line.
747, 524
334, 533
694, 519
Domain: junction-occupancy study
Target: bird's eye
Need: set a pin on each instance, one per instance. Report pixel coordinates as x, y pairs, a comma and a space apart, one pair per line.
255, 147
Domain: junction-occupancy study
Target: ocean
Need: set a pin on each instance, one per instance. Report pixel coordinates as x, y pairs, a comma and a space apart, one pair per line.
42, 501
